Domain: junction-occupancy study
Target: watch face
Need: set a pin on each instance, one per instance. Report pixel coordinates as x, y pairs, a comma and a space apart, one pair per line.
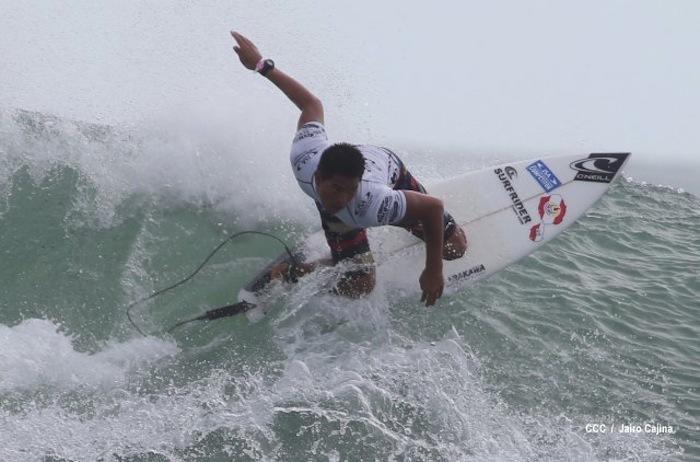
267, 67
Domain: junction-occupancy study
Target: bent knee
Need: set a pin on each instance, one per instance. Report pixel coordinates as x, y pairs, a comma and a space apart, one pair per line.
365, 284
356, 285
456, 245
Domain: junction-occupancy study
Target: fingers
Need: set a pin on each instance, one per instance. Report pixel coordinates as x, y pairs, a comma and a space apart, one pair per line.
431, 297
245, 49
238, 36
242, 40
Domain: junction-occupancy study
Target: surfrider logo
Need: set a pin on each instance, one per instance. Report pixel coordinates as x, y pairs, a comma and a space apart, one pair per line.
518, 206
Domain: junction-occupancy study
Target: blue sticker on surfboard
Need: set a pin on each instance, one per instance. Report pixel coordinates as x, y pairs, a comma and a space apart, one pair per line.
544, 176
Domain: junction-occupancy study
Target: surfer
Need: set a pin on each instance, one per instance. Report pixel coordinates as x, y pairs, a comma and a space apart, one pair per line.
356, 187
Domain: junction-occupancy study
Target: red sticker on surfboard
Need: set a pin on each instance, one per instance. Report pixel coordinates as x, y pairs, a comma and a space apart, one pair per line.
552, 210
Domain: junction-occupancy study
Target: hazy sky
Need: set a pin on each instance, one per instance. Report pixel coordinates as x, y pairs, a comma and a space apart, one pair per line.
509, 75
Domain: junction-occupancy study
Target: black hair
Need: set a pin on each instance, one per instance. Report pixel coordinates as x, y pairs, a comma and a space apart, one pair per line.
342, 159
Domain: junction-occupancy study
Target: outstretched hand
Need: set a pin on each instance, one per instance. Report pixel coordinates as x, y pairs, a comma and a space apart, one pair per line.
247, 52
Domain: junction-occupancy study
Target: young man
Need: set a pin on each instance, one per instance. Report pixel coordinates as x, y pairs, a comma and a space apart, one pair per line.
356, 187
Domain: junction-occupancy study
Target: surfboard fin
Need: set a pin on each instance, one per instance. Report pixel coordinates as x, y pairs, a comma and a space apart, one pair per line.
217, 313
228, 310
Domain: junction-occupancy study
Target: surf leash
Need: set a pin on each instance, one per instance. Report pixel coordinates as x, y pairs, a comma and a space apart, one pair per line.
216, 313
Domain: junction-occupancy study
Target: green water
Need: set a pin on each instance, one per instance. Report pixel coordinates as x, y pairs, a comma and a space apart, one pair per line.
599, 327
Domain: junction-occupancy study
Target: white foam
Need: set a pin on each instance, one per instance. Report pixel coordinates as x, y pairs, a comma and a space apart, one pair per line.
661, 186
241, 170
411, 398
125, 423
34, 354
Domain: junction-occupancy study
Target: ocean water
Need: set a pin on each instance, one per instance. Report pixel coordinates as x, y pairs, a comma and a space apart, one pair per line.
545, 361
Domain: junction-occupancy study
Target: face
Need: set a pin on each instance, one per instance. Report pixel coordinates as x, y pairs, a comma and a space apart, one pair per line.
336, 191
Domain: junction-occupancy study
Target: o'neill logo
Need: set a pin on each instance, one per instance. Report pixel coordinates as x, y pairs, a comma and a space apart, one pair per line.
599, 168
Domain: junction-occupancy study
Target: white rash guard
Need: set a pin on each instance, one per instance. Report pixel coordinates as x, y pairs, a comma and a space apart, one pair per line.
376, 203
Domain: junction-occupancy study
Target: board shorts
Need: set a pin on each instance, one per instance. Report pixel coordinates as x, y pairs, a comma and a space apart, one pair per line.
347, 242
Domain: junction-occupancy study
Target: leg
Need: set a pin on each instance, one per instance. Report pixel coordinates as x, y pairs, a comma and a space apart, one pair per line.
454, 237
456, 245
347, 243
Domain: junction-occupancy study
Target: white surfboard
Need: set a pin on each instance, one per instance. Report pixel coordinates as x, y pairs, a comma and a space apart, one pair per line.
507, 212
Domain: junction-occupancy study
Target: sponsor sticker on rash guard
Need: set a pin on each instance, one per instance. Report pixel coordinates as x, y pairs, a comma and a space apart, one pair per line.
394, 213
309, 130
363, 204
383, 211
544, 176
303, 158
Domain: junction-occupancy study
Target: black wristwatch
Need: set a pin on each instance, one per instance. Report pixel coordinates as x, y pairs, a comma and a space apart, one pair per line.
265, 66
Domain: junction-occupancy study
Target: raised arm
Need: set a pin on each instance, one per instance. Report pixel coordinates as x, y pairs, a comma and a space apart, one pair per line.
310, 106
